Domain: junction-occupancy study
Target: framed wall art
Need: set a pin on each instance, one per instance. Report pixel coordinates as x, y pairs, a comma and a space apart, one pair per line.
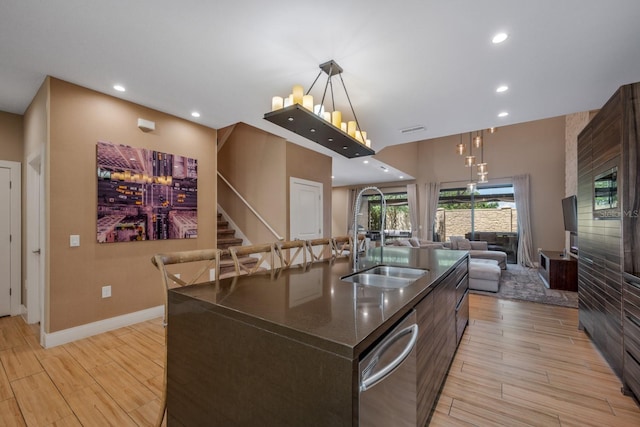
145, 194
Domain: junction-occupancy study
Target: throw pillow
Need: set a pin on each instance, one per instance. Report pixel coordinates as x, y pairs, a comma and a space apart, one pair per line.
454, 241
403, 242
414, 242
464, 245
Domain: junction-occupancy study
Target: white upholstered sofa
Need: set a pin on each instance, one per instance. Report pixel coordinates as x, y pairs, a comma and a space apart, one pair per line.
485, 266
477, 250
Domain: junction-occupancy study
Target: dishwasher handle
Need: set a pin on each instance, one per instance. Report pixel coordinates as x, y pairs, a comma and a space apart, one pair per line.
374, 379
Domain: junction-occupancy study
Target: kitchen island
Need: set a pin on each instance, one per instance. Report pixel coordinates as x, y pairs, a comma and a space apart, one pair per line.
282, 348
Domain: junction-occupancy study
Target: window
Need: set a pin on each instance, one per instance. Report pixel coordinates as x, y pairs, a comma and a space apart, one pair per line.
397, 222
487, 214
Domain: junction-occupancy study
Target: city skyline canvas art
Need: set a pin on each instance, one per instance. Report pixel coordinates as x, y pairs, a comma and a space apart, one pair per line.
145, 194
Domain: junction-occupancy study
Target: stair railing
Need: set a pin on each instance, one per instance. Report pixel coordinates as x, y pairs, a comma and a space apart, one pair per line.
248, 205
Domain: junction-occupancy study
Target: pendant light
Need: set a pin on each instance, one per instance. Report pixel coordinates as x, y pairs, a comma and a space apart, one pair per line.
300, 115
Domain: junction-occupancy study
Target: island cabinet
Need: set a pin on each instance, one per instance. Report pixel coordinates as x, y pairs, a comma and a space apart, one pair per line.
225, 372
284, 349
442, 318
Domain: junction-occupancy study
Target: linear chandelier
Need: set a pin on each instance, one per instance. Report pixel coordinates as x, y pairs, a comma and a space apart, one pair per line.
298, 113
482, 171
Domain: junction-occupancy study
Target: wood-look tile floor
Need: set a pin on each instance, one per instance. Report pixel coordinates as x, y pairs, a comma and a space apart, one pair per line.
111, 379
519, 364
527, 364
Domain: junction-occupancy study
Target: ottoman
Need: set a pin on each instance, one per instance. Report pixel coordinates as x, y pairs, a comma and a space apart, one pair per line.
484, 274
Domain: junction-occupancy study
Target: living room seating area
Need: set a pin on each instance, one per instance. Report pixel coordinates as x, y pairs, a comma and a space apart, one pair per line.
478, 250
506, 242
485, 265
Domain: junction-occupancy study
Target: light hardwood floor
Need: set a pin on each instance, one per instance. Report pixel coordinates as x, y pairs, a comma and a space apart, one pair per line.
112, 379
527, 364
519, 364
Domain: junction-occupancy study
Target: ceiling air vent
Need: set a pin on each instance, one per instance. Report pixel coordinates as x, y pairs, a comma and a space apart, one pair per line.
412, 129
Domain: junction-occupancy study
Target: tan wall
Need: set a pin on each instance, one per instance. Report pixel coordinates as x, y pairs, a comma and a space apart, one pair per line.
403, 157
340, 221
306, 164
254, 162
11, 136
78, 119
536, 148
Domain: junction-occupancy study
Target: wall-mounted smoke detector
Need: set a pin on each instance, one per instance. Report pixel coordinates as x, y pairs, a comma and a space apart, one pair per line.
146, 125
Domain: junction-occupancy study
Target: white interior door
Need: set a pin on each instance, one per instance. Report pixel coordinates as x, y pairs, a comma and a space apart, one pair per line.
35, 219
306, 206
5, 242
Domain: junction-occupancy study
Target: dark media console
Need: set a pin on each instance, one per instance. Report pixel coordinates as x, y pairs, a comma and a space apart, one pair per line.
558, 270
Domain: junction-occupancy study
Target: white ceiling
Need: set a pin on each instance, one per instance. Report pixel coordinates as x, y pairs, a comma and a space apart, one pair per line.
406, 63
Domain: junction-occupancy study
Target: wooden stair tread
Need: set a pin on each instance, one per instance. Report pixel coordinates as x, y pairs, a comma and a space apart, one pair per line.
226, 239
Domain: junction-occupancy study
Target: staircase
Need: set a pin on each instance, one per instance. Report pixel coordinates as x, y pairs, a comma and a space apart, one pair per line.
226, 239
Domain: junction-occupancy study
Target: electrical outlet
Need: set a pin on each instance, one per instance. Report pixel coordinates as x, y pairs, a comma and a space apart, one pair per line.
74, 240
212, 274
106, 291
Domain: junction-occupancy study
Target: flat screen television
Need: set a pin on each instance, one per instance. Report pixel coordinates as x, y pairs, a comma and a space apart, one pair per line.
570, 213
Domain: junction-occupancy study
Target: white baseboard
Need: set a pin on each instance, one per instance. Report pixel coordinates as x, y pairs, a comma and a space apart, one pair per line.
72, 334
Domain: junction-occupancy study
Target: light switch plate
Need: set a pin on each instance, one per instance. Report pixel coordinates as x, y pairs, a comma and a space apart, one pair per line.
74, 240
106, 291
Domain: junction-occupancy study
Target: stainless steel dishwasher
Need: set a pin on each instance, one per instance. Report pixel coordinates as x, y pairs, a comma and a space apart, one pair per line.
388, 395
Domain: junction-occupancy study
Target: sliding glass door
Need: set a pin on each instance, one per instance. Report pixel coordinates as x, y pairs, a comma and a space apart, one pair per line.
488, 214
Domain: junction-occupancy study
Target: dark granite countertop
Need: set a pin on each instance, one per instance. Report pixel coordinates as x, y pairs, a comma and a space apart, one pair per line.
313, 305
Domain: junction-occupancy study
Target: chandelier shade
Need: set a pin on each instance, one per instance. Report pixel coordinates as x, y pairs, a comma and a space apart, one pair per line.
299, 115
470, 161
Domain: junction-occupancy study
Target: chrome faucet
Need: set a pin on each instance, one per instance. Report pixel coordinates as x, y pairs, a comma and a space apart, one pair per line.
356, 212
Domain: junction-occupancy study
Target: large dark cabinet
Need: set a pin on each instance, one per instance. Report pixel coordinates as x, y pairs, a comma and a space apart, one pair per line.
442, 318
609, 141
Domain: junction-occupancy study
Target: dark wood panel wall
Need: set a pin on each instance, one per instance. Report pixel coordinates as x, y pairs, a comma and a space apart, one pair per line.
599, 267
631, 195
605, 251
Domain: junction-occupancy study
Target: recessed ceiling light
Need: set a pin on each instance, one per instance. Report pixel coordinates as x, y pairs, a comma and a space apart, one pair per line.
401, 177
332, 177
499, 38
119, 88
195, 114
502, 88
365, 161
503, 114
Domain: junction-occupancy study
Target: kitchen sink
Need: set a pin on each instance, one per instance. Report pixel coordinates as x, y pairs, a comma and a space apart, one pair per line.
387, 277
402, 272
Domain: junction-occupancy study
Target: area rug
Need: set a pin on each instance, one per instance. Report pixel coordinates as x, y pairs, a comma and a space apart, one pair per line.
521, 283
